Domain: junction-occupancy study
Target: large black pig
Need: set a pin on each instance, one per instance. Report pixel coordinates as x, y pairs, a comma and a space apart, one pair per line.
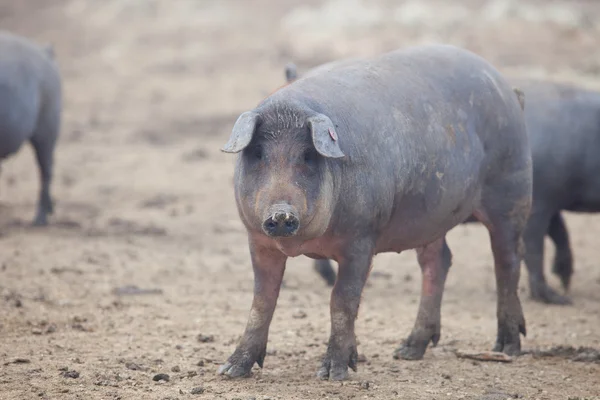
381, 155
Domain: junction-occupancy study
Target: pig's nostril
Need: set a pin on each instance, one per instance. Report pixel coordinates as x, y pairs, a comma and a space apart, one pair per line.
289, 223
270, 224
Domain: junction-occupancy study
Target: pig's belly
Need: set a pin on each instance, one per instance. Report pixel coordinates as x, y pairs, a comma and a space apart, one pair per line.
420, 219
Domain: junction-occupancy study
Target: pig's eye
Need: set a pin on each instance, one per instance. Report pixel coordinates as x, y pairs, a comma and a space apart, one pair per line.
310, 156
257, 152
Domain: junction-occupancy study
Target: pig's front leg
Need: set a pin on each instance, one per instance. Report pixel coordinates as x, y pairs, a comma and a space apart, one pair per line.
353, 271
268, 265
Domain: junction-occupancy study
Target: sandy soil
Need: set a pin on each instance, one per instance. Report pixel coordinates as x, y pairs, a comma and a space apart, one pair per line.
144, 198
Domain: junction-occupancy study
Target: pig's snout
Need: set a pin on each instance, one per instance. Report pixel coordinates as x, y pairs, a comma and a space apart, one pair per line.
282, 222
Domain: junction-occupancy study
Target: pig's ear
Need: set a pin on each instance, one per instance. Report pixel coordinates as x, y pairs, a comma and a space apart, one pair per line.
291, 72
324, 136
242, 132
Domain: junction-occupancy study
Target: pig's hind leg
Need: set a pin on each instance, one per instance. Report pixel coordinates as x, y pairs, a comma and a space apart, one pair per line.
44, 143
325, 269
540, 223
563, 259
435, 260
505, 206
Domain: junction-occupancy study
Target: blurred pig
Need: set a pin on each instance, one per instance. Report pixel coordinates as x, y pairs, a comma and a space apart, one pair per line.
30, 107
381, 155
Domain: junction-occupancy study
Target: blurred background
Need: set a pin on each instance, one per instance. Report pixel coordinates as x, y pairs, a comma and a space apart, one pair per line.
144, 268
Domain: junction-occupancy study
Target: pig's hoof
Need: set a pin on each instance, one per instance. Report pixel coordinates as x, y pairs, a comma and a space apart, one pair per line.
40, 220
335, 365
508, 340
240, 364
414, 348
563, 268
545, 294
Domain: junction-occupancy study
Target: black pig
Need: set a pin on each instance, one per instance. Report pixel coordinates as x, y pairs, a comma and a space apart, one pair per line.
30, 107
381, 155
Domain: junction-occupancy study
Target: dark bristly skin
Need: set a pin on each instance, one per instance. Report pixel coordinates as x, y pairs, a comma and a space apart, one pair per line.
30, 107
563, 123
381, 155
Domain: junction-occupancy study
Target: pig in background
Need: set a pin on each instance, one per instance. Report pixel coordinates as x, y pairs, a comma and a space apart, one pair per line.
381, 155
30, 108
563, 124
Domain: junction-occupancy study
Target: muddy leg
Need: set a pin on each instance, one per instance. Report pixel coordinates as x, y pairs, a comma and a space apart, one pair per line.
325, 270
345, 299
537, 227
268, 265
563, 259
435, 260
505, 226
44, 150
507, 262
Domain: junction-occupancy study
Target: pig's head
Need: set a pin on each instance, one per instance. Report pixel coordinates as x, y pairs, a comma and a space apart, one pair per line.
284, 177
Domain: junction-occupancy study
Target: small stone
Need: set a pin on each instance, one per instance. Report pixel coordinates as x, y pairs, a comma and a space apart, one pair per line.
161, 377
133, 366
205, 338
299, 314
446, 376
70, 374
176, 369
191, 374
197, 390
365, 385
200, 363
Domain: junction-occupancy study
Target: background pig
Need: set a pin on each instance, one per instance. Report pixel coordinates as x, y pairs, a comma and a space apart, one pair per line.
30, 107
563, 123
375, 156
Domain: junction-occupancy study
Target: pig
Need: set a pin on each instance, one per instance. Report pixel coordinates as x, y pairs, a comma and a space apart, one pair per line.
564, 169
30, 108
381, 155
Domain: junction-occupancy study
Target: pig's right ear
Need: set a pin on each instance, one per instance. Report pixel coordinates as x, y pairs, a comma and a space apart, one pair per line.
242, 132
324, 136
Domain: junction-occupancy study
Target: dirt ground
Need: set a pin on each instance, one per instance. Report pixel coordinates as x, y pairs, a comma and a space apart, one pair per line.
144, 198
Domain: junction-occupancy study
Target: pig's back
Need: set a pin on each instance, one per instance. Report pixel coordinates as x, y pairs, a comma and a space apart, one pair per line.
423, 102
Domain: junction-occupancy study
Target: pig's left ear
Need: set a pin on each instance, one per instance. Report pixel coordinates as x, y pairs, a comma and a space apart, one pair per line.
242, 132
324, 136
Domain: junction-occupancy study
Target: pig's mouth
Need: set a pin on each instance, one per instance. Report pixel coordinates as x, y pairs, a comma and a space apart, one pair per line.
282, 222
